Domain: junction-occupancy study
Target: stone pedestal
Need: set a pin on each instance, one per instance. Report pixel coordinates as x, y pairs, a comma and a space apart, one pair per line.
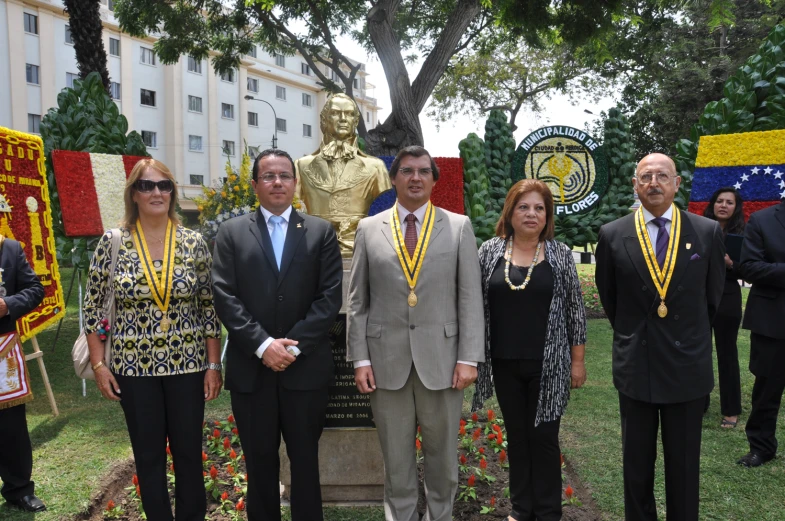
351, 468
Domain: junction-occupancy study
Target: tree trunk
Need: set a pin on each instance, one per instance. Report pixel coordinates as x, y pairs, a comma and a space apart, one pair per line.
402, 127
86, 28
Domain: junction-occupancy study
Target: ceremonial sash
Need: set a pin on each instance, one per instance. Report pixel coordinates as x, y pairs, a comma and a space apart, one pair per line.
411, 265
660, 276
14, 379
160, 289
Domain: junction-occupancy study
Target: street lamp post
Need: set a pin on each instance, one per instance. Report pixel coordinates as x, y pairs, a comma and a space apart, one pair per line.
275, 124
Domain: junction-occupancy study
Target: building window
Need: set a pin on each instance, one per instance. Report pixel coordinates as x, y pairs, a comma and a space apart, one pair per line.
228, 76
305, 69
253, 119
195, 143
150, 139
280, 92
306, 130
70, 78
280, 124
114, 90
227, 111
228, 147
32, 74
356, 83
334, 76
31, 23
34, 123
280, 60
196, 179
147, 56
68, 38
194, 65
114, 47
110, 5
307, 100
252, 52
253, 152
195, 104
368, 117
253, 85
148, 97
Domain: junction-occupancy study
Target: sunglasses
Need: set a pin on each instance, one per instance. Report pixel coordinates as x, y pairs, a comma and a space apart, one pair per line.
146, 186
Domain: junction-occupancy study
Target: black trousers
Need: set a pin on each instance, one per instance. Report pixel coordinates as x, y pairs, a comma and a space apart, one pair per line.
681, 441
262, 417
157, 408
767, 359
726, 331
16, 454
534, 453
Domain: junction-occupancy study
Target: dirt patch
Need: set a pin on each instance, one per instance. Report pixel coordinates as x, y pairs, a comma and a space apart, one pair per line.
111, 488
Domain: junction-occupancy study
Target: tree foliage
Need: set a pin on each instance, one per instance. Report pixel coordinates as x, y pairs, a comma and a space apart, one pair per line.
85, 120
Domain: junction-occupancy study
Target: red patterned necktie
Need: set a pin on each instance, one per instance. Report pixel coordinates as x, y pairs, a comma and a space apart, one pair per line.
411, 234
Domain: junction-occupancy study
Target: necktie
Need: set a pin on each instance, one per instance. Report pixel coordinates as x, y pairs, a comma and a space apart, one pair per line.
662, 239
277, 237
410, 239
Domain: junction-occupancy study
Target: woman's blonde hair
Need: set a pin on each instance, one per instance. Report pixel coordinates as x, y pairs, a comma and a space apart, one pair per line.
131, 210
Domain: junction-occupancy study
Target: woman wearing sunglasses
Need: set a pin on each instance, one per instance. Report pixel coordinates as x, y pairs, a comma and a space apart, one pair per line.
165, 352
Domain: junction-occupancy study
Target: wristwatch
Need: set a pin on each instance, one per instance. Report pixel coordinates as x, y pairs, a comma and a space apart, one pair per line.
215, 367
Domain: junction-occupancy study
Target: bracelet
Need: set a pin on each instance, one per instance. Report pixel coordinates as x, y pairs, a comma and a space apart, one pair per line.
214, 366
99, 364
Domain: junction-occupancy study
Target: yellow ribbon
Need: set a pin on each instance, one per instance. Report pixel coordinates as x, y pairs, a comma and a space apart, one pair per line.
660, 276
412, 265
161, 289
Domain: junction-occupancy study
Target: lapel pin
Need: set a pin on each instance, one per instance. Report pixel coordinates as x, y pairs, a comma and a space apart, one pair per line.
689, 245
299, 225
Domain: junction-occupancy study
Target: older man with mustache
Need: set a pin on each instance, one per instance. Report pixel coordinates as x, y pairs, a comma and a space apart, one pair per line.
660, 274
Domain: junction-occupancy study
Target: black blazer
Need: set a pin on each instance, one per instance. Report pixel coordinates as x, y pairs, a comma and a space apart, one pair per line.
23, 289
661, 360
255, 301
763, 264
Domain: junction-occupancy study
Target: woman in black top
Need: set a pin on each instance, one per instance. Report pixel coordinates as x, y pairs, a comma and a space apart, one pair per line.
725, 207
535, 336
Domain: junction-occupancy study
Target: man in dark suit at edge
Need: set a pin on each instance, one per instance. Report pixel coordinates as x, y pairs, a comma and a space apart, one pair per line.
277, 276
763, 264
660, 274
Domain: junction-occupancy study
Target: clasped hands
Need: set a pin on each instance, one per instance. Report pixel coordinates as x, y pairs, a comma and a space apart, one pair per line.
462, 377
276, 356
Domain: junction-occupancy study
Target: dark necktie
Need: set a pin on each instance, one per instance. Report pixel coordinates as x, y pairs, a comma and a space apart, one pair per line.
662, 239
410, 239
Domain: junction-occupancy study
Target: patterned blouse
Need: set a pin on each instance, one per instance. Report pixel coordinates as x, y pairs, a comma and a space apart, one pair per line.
566, 328
139, 347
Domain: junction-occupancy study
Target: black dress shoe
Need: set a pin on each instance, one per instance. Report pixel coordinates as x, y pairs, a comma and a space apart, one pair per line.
29, 503
753, 459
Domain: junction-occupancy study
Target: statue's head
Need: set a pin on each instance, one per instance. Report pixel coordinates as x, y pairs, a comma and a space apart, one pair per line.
339, 118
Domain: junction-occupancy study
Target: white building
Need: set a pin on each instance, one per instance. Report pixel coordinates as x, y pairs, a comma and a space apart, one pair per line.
188, 116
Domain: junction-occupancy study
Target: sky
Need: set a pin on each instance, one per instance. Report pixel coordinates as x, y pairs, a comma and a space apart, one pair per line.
443, 142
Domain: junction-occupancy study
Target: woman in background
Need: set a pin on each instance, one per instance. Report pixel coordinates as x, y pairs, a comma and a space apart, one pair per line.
726, 207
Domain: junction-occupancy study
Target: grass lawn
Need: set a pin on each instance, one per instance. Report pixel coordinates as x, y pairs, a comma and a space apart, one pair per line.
75, 450
591, 440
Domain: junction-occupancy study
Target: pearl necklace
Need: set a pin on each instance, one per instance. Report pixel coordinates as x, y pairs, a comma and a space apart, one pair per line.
528, 274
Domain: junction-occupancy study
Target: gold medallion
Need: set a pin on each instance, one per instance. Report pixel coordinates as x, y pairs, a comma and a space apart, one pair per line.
412, 299
165, 323
662, 310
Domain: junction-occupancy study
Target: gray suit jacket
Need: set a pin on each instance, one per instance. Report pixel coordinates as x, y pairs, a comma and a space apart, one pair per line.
447, 324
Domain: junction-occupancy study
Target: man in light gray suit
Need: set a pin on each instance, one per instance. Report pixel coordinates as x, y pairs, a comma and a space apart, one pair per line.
415, 334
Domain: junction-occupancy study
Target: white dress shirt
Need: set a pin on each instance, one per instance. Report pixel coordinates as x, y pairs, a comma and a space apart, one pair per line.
284, 227
419, 216
652, 228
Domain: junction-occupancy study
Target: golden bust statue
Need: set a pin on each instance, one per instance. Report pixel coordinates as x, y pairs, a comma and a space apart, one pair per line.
339, 182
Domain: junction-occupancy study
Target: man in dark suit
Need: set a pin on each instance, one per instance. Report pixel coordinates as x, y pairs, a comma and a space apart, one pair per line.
20, 293
763, 264
660, 274
277, 276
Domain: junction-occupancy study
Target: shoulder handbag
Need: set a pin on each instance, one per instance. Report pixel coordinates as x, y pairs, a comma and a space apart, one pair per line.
80, 353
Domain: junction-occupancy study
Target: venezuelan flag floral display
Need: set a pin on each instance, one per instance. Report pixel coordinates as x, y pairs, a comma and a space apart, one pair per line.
25, 215
752, 162
91, 189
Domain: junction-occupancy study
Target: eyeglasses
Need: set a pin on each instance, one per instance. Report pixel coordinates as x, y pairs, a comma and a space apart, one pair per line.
270, 178
408, 172
146, 186
662, 178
